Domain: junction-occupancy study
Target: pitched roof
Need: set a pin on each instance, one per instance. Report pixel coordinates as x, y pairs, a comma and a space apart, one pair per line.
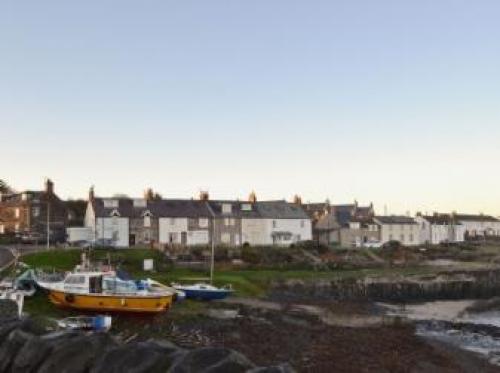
393, 219
480, 218
197, 208
441, 219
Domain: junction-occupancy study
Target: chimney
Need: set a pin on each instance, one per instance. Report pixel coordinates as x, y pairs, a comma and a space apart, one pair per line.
252, 198
297, 200
204, 196
148, 194
49, 186
91, 193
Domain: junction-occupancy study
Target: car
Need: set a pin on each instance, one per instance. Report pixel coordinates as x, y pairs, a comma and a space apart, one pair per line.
373, 244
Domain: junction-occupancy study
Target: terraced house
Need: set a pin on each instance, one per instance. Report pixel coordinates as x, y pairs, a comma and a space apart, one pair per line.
187, 222
28, 213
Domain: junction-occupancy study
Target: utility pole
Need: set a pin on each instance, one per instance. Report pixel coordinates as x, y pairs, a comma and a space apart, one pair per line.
48, 225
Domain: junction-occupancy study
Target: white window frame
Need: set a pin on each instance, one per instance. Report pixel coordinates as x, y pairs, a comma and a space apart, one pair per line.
203, 222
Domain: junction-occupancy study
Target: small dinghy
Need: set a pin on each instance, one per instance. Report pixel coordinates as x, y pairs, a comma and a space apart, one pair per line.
98, 323
203, 291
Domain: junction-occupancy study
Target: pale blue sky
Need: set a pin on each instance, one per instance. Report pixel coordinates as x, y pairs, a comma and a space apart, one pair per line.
395, 102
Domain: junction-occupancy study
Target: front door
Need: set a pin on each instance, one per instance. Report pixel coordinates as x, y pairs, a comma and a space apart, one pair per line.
132, 239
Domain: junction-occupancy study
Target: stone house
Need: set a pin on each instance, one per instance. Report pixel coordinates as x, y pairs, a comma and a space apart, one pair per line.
27, 214
359, 232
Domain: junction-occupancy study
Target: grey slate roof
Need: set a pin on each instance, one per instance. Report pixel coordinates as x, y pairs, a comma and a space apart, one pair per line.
196, 209
395, 219
480, 218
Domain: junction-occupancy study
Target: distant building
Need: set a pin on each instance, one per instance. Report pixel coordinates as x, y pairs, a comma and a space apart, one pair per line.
360, 232
331, 220
440, 228
28, 213
398, 228
479, 225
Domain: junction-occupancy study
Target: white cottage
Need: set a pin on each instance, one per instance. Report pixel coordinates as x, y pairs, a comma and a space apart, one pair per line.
479, 225
398, 228
440, 228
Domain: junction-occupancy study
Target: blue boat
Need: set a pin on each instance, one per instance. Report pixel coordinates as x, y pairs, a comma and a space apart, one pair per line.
203, 291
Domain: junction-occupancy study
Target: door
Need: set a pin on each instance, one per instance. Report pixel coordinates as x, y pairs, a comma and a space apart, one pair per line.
132, 239
184, 238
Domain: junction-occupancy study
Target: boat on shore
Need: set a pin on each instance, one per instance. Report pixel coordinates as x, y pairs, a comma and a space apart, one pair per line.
104, 291
203, 291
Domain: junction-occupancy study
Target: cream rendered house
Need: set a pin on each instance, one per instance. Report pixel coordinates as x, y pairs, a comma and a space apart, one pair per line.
398, 228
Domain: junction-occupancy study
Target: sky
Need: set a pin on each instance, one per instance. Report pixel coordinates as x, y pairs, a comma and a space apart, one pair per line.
394, 102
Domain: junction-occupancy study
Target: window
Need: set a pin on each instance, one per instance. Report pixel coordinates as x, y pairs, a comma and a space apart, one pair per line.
17, 212
227, 222
147, 221
110, 203
402, 238
274, 224
411, 237
147, 236
203, 222
226, 238
226, 208
302, 224
246, 207
140, 203
36, 211
172, 221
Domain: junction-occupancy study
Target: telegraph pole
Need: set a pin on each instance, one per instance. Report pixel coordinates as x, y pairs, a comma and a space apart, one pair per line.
48, 225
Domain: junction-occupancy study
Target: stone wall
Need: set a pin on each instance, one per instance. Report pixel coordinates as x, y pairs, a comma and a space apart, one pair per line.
456, 285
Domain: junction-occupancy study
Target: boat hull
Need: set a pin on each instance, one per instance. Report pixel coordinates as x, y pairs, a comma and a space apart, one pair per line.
114, 303
205, 294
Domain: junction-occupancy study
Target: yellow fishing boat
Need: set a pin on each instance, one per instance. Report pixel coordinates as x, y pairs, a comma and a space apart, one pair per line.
103, 291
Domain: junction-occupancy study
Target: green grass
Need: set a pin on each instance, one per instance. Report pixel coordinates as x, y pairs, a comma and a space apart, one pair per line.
246, 282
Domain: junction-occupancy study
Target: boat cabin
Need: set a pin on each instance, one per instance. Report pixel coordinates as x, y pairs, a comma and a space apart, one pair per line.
84, 283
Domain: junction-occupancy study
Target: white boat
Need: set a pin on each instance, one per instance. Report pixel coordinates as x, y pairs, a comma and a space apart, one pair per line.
96, 323
155, 286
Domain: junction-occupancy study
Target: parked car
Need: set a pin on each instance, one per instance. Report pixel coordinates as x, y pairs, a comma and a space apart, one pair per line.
372, 244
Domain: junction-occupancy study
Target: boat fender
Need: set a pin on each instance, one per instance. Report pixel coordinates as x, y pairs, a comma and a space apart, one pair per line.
70, 298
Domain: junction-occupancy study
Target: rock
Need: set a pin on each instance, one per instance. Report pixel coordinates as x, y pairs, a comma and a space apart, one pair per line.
76, 354
282, 368
35, 350
141, 357
11, 346
211, 360
8, 310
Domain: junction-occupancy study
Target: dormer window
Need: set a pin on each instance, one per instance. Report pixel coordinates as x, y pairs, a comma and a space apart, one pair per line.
140, 203
114, 213
227, 208
110, 203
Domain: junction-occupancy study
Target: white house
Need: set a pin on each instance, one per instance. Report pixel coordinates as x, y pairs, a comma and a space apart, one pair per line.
398, 228
276, 223
440, 228
479, 225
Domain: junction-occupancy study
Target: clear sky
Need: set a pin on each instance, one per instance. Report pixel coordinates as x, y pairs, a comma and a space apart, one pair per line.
395, 102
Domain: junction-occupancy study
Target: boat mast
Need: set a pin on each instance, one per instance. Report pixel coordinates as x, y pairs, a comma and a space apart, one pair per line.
212, 259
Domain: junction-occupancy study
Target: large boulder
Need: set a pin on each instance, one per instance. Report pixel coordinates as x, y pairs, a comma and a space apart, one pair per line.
211, 360
11, 346
76, 354
35, 350
141, 357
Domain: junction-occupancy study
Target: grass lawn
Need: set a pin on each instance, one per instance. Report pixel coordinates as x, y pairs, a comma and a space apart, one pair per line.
246, 282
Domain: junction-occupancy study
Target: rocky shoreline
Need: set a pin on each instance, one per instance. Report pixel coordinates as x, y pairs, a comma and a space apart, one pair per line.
26, 347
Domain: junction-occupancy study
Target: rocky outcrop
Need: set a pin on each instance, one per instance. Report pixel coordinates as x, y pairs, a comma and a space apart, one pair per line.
27, 348
453, 285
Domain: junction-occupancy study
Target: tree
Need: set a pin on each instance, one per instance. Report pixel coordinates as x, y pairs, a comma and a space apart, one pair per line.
4, 187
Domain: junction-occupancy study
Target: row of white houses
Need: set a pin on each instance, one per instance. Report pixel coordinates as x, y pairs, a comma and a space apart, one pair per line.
128, 222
